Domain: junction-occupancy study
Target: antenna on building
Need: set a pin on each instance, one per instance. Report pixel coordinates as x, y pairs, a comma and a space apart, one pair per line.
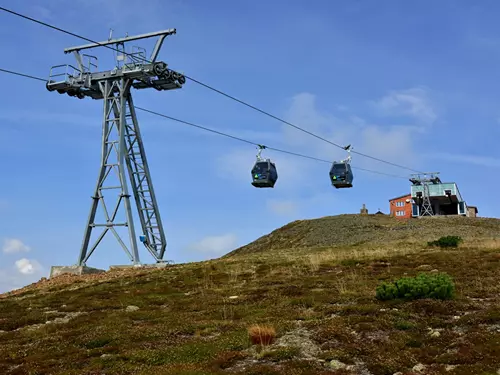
364, 210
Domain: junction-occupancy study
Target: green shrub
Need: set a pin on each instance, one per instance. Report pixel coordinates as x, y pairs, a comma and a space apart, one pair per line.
281, 354
404, 325
350, 262
438, 286
97, 343
447, 241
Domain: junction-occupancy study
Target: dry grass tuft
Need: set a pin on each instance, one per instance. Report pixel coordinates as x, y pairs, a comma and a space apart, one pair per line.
261, 334
488, 243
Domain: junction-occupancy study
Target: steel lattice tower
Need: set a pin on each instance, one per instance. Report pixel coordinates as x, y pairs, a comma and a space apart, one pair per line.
426, 204
122, 150
424, 180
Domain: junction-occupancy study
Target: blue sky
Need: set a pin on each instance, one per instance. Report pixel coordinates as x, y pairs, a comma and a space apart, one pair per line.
415, 84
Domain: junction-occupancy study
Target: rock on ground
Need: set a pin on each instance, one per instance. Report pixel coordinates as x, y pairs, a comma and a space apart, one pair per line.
132, 308
300, 338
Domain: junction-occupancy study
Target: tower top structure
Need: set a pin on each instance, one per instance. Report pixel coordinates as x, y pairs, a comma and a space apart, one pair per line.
122, 148
143, 72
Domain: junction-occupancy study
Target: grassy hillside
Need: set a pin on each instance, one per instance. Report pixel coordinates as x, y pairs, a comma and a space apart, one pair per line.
318, 298
354, 230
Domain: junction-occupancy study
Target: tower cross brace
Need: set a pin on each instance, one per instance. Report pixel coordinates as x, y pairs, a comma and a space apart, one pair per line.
123, 156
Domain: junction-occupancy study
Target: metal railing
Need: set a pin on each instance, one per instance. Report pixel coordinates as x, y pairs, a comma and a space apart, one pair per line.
90, 67
65, 70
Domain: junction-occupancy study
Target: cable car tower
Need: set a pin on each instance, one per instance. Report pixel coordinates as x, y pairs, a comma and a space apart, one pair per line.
424, 180
122, 147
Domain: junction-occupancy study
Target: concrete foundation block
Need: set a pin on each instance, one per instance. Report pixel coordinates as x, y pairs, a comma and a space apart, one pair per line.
138, 266
74, 270
125, 267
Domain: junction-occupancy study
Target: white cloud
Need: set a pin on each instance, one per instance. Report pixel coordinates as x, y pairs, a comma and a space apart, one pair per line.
295, 173
392, 143
28, 266
237, 164
412, 102
282, 207
22, 273
216, 244
299, 177
304, 113
14, 245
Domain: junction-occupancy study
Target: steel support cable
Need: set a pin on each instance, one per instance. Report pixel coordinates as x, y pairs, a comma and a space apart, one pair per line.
213, 89
218, 132
257, 144
297, 127
22, 75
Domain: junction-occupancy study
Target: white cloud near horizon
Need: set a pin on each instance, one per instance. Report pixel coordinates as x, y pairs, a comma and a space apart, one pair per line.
28, 266
215, 244
14, 245
23, 272
282, 207
299, 207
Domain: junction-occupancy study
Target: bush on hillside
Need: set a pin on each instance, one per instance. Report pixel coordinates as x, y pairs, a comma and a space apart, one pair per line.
438, 286
447, 241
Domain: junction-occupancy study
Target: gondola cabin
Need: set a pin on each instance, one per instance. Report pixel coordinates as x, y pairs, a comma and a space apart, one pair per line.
341, 175
264, 174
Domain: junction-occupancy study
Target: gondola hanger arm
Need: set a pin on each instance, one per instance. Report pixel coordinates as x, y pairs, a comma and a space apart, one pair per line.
260, 148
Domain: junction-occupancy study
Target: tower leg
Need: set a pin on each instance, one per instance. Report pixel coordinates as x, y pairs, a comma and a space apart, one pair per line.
113, 157
142, 186
124, 94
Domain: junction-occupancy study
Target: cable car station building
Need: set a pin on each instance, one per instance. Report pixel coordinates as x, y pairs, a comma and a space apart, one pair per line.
431, 197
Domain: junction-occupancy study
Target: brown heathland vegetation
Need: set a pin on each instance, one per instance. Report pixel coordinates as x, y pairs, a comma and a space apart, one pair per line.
298, 301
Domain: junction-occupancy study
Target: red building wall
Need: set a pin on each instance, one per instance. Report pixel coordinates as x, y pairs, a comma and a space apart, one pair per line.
399, 208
